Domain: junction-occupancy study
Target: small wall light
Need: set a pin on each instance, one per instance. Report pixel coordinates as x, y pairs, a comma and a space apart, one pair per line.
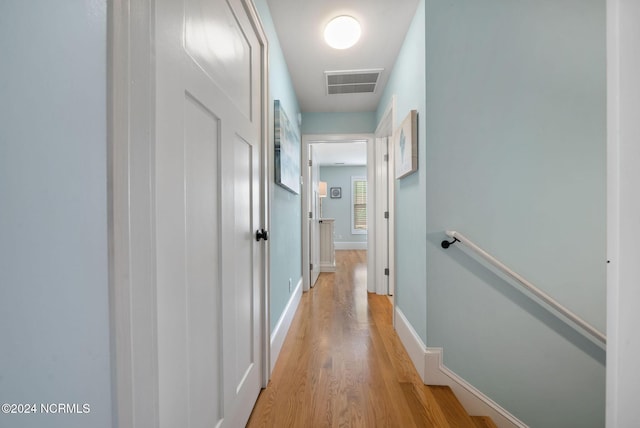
322, 189
342, 32
322, 193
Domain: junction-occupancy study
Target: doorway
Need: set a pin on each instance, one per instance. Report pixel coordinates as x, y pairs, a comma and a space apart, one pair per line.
333, 156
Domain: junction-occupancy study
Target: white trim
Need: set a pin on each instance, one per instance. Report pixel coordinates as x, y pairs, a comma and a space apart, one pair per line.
623, 209
266, 167
284, 323
412, 343
350, 245
325, 267
613, 411
131, 190
429, 365
474, 401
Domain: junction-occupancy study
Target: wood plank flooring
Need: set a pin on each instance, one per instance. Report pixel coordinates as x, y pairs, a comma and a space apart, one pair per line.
342, 364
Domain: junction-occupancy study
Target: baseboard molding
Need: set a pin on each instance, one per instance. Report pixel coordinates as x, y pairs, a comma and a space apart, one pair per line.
430, 367
282, 327
474, 401
326, 267
350, 245
412, 343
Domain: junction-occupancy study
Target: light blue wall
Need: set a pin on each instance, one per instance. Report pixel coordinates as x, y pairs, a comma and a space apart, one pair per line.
54, 319
407, 83
516, 161
512, 154
339, 123
286, 215
340, 209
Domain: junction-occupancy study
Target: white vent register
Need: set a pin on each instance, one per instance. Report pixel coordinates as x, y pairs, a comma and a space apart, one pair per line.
352, 81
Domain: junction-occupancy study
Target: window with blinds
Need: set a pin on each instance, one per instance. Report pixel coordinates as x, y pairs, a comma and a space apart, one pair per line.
358, 205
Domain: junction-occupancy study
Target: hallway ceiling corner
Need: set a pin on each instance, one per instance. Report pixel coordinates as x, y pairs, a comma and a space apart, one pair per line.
300, 26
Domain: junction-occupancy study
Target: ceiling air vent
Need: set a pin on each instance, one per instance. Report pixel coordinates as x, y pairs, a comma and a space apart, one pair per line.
352, 81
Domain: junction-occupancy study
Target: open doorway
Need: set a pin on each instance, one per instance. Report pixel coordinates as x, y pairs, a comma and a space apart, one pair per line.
327, 199
342, 179
336, 186
346, 166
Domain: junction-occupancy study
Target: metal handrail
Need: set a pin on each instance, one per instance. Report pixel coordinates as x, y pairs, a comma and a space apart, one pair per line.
585, 326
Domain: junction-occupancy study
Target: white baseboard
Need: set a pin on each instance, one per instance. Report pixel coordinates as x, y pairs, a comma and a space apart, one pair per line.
430, 367
282, 327
474, 401
326, 267
411, 341
350, 245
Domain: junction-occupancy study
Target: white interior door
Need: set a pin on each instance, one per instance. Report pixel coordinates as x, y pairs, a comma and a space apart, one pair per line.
385, 177
314, 219
382, 216
391, 182
208, 103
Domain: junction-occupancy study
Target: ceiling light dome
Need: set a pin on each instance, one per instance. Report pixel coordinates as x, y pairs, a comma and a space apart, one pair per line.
342, 32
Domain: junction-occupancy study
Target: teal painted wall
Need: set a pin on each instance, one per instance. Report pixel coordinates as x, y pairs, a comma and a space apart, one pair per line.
340, 209
516, 135
339, 123
286, 216
512, 154
54, 300
407, 83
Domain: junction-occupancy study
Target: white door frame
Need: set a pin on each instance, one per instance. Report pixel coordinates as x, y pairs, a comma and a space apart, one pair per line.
131, 125
266, 167
386, 128
308, 139
314, 207
382, 205
623, 209
131, 222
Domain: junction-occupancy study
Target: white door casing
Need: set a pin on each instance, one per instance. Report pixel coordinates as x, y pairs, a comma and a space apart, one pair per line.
623, 209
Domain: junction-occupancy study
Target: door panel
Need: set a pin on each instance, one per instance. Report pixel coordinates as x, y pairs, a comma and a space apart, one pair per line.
242, 243
208, 207
216, 41
204, 332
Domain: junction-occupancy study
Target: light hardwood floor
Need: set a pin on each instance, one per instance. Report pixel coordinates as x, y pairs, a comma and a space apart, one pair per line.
342, 364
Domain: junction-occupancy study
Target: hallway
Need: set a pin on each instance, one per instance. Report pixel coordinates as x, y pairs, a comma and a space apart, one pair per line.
342, 363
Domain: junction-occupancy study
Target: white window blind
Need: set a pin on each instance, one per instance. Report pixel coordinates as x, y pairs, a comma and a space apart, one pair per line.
358, 205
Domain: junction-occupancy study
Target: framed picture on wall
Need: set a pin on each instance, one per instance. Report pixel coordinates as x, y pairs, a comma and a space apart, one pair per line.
335, 192
406, 146
287, 151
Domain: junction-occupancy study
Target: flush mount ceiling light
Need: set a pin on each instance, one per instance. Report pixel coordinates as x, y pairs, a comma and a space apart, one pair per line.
342, 32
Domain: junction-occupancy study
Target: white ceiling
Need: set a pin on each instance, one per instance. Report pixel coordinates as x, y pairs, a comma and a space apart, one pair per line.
300, 24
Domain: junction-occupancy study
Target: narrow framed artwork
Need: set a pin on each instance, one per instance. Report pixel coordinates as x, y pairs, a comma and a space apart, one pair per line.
406, 146
287, 151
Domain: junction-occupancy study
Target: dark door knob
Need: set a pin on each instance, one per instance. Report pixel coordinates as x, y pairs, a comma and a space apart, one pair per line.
262, 234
